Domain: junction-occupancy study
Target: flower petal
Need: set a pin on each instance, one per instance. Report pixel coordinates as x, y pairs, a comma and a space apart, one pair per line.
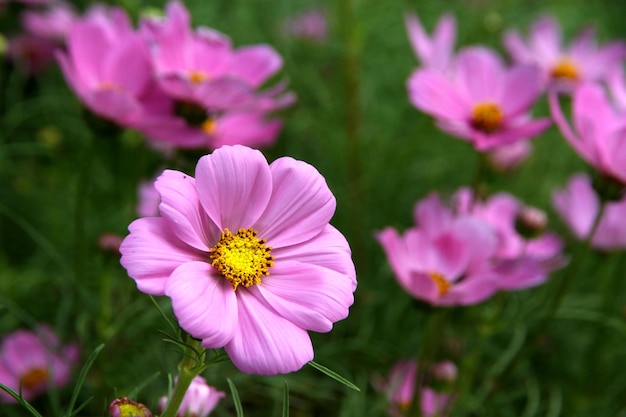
204, 304
266, 343
151, 253
433, 93
301, 205
234, 185
309, 296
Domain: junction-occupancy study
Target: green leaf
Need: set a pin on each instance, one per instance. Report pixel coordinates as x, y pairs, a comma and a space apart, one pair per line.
286, 400
81, 378
20, 400
334, 375
143, 384
236, 400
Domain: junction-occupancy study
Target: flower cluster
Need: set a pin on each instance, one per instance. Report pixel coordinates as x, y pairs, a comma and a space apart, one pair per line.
178, 86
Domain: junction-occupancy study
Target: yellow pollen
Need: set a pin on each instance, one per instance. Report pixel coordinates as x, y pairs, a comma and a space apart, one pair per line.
34, 377
209, 126
566, 69
197, 77
131, 410
242, 258
486, 117
442, 283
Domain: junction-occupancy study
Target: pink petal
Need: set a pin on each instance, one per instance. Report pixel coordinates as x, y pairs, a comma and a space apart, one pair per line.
564, 126
472, 290
255, 63
480, 73
204, 303
398, 255
431, 215
115, 105
87, 44
522, 87
266, 343
525, 130
151, 253
248, 129
516, 47
127, 65
309, 296
433, 93
224, 93
545, 38
577, 204
234, 184
300, 207
422, 287
181, 207
420, 41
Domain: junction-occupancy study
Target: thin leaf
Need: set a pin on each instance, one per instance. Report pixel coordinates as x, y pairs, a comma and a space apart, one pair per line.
236, 400
175, 328
80, 407
334, 375
286, 400
517, 341
20, 399
81, 378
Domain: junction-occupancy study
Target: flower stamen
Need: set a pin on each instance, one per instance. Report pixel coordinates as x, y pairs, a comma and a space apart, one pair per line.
241, 258
197, 77
486, 117
443, 285
565, 69
34, 377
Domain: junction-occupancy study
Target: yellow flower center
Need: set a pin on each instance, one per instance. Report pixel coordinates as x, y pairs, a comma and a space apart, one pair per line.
565, 69
242, 258
486, 117
209, 126
34, 377
197, 77
131, 410
443, 285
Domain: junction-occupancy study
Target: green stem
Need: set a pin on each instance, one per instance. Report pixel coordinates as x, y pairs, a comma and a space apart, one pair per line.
188, 369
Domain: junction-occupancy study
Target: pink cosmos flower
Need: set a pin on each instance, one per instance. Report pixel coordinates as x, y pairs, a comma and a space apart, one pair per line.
148, 199
444, 260
310, 25
52, 23
37, 360
599, 131
199, 400
480, 101
578, 205
400, 387
107, 66
246, 254
436, 52
520, 261
508, 157
564, 66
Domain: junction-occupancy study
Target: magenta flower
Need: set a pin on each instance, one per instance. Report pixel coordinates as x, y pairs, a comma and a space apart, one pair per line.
578, 205
401, 384
52, 23
508, 157
36, 360
598, 134
309, 25
108, 67
445, 260
436, 52
480, 101
199, 400
564, 66
246, 254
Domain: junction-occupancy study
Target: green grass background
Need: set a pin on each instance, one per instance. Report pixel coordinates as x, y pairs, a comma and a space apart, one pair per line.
62, 185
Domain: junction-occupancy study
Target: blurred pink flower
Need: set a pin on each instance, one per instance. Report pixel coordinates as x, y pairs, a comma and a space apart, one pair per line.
508, 157
199, 400
52, 23
480, 100
578, 205
444, 260
564, 66
110, 242
599, 130
400, 386
436, 52
148, 199
247, 256
31, 53
310, 25
37, 360
521, 261
107, 66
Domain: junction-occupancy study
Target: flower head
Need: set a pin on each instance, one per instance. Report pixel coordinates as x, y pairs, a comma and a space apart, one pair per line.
480, 100
310, 25
246, 254
599, 130
199, 400
34, 361
564, 66
578, 205
125, 407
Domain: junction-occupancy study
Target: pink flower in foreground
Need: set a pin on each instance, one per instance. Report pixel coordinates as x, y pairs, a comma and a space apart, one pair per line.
246, 254
401, 384
309, 25
434, 52
445, 260
36, 360
564, 66
578, 205
481, 101
599, 131
199, 400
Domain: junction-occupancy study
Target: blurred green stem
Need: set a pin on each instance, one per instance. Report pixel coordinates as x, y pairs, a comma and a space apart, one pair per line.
188, 369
